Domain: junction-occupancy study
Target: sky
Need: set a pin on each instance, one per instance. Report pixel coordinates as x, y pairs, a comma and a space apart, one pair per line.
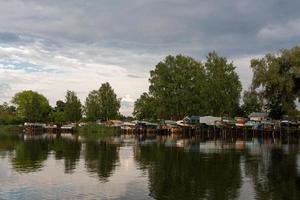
51, 46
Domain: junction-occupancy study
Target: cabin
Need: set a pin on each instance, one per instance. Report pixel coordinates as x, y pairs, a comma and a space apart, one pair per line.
68, 128
51, 128
240, 121
192, 120
209, 120
258, 116
34, 128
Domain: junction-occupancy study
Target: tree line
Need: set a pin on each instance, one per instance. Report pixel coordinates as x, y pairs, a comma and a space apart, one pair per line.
179, 86
31, 106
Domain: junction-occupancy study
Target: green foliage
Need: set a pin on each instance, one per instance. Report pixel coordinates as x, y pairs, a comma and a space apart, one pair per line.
57, 114
9, 129
176, 85
31, 106
223, 86
181, 86
252, 102
72, 107
93, 130
277, 78
102, 104
8, 114
144, 107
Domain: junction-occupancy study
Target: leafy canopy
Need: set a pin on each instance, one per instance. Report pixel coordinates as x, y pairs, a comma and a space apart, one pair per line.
102, 104
277, 78
72, 107
31, 106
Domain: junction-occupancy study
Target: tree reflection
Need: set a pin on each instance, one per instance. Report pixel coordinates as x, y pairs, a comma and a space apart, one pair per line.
69, 150
8, 144
101, 158
175, 174
274, 174
30, 155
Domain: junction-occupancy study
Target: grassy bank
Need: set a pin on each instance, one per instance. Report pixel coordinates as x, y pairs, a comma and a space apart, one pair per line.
93, 130
9, 129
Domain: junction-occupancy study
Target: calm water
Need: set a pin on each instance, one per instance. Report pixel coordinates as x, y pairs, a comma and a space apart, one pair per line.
147, 168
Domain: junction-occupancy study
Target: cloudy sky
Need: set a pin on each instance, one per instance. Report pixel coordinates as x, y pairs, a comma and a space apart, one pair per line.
51, 45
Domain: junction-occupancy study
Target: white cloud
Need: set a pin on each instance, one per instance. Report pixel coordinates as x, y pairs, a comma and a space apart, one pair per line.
282, 31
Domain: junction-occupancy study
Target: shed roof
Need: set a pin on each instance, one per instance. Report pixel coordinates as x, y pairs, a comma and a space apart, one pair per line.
258, 114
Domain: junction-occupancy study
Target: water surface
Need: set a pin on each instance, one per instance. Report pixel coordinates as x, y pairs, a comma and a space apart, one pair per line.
154, 167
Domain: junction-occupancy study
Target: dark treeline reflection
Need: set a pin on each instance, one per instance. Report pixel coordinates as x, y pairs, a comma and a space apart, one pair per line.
28, 155
101, 158
274, 173
176, 168
67, 149
176, 174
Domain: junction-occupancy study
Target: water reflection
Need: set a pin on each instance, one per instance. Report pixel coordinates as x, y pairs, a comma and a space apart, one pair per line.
68, 150
30, 155
274, 174
176, 174
172, 167
101, 157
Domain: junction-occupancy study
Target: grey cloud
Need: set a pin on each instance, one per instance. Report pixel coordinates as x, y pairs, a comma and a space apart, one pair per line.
133, 76
137, 34
192, 27
6, 37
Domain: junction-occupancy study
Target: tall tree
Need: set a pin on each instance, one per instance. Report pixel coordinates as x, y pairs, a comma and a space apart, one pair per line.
252, 102
72, 108
223, 86
57, 114
277, 78
93, 106
144, 107
102, 104
31, 106
8, 114
177, 86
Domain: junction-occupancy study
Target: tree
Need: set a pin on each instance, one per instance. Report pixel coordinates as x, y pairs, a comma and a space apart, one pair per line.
177, 86
72, 108
223, 86
181, 86
102, 103
252, 102
144, 107
277, 78
60, 106
93, 106
57, 114
31, 106
8, 114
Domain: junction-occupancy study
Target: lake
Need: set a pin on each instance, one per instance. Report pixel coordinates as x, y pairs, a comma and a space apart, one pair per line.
152, 167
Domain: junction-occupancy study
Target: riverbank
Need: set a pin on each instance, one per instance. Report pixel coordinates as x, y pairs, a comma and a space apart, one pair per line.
9, 129
93, 130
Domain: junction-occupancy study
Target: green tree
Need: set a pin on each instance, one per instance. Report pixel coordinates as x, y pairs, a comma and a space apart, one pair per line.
277, 78
102, 103
177, 86
223, 86
72, 108
252, 102
8, 114
31, 106
93, 106
144, 107
57, 114
60, 106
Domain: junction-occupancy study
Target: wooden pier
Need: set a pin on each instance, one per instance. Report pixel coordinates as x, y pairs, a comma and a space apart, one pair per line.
219, 132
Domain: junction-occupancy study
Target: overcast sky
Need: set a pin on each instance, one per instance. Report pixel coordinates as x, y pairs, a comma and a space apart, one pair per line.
52, 45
